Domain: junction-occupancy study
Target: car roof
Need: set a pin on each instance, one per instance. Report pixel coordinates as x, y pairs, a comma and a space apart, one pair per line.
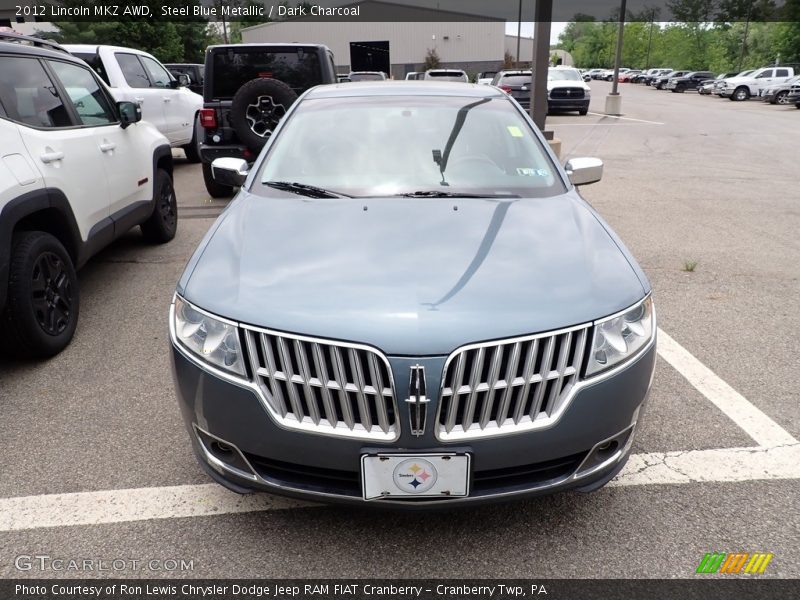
405, 88
93, 48
266, 45
16, 48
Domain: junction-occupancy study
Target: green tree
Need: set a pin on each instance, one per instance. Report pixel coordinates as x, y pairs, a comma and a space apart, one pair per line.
432, 60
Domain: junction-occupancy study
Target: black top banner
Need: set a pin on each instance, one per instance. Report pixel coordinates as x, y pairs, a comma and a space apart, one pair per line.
695, 11
715, 588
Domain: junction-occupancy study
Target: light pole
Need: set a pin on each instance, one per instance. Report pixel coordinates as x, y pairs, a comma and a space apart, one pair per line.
519, 29
541, 61
614, 100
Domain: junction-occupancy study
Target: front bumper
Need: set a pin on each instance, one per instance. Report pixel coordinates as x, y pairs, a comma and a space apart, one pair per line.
266, 457
556, 104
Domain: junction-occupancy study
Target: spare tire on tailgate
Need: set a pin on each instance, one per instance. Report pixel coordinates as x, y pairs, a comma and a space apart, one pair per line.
256, 109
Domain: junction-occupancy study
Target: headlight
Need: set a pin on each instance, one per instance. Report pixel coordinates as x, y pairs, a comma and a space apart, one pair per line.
618, 338
210, 339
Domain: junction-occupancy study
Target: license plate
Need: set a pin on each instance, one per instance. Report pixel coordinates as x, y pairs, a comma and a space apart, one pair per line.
414, 475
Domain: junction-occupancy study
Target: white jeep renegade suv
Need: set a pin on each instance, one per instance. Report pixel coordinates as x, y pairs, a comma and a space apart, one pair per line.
77, 170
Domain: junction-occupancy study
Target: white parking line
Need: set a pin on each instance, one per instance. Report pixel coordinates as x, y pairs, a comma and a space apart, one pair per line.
123, 506
755, 423
776, 457
718, 465
626, 118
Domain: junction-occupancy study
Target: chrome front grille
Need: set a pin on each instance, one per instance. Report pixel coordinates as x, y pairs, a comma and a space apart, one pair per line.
508, 386
322, 386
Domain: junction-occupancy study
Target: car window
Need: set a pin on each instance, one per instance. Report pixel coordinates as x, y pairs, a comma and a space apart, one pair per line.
299, 69
782, 73
89, 101
516, 80
764, 74
94, 61
29, 96
401, 145
132, 70
563, 75
159, 76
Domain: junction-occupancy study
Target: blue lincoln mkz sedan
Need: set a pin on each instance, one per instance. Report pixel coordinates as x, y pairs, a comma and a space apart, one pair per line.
408, 303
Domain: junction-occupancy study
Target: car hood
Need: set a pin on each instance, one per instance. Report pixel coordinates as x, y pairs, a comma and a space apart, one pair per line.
735, 80
411, 276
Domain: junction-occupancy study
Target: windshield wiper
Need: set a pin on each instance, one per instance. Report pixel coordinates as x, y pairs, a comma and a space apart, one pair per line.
304, 189
440, 194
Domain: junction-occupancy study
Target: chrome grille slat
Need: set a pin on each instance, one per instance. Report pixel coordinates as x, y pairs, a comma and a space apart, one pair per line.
513, 385
323, 386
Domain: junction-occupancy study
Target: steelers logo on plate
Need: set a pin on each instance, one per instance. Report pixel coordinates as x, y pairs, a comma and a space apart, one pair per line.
415, 476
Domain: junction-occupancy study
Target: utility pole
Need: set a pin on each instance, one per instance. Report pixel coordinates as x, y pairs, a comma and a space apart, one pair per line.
519, 29
650, 38
541, 61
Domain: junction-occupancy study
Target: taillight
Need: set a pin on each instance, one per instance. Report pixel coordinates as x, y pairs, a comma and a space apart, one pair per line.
208, 118
506, 88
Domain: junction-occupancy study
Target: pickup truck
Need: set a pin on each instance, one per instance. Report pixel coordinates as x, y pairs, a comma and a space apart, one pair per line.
136, 76
743, 88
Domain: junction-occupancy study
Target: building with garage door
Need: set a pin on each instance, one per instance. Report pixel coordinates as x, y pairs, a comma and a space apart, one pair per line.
398, 44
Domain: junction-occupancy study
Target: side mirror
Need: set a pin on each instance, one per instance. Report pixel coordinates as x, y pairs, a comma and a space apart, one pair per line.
184, 80
583, 171
229, 171
129, 113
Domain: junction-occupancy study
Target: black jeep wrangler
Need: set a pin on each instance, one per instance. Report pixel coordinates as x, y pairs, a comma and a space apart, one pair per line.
246, 90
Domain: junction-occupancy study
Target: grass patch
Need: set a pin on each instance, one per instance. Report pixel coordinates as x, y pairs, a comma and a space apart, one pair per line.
689, 266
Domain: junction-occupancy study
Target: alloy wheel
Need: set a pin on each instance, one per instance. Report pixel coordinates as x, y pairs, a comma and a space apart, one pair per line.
51, 293
263, 115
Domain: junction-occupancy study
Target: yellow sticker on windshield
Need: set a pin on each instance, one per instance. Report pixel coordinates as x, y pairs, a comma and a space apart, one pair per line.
515, 131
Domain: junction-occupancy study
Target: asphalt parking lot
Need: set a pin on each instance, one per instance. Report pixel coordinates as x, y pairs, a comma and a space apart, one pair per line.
97, 462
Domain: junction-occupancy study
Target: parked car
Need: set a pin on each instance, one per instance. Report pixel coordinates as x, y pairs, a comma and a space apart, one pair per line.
195, 73
690, 81
661, 81
485, 78
595, 73
648, 78
342, 78
779, 93
744, 87
516, 84
794, 96
137, 76
706, 88
608, 75
719, 85
534, 343
248, 89
78, 171
414, 75
446, 75
566, 90
627, 76
366, 76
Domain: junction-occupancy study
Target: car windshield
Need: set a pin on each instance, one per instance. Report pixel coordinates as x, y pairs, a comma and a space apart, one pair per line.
563, 75
394, 145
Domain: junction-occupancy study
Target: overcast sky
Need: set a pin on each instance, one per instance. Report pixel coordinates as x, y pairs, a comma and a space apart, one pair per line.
527, 30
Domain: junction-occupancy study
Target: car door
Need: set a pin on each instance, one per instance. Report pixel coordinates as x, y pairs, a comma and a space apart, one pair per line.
126, 168
66, 153
144, 94
173, 101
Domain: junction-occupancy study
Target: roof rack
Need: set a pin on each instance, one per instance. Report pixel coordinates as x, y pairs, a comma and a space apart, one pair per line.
6, 36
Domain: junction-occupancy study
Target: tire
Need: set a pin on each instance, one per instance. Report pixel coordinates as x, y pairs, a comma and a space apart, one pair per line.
781, 98
41, 311
741, 93
162, 224
214, 189
192, 149
680, 89
583, 112
257, 108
